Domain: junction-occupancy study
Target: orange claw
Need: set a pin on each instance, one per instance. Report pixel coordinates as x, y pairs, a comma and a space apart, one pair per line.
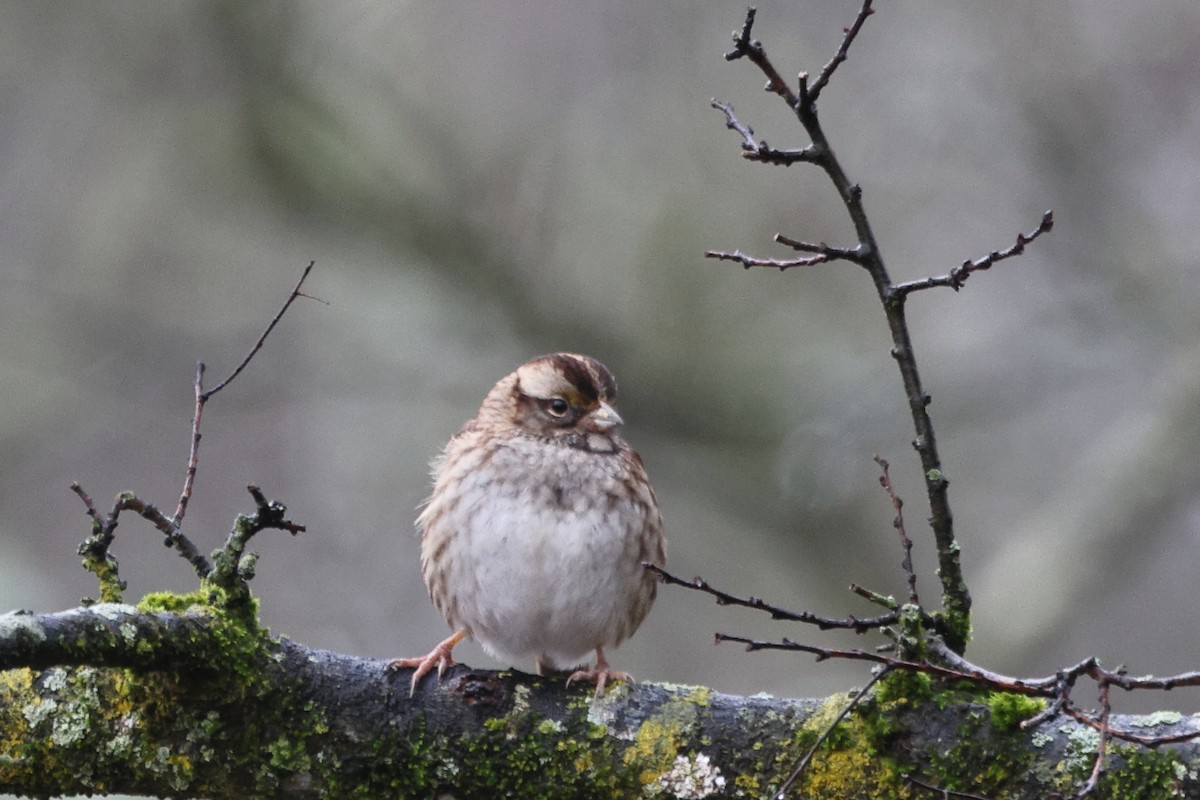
601, 674
439, 656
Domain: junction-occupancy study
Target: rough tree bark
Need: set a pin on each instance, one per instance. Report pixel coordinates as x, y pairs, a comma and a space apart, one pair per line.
182, 697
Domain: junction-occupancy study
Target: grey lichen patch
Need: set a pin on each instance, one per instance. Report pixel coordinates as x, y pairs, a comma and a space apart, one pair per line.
38, 712
70, 725
17, 626
1156, 719
691, 778
54, 679
114, 611
1081, 746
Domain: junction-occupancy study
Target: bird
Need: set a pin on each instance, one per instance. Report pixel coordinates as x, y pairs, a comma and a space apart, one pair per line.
540, 519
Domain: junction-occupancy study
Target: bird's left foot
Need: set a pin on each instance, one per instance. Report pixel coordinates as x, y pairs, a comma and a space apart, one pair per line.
601, 675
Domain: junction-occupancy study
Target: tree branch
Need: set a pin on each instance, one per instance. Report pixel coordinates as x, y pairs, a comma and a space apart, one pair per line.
180, 698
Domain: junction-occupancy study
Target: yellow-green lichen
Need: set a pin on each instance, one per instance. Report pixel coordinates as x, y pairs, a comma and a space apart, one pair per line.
845, 765
661, 738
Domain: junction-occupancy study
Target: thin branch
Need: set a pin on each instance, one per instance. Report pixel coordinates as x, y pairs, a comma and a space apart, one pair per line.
87, 502
956, 277
756, 150
262, 339
203, 396
956, 598
194, 452
1054, 688
174, 537
834, 253
898, 523
1101, 747
883, 600
725, 599
817, 86
744, 46
804, 762
749, 261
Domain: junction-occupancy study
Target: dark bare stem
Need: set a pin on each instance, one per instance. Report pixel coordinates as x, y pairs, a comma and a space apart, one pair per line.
194, 452
856, 624
87, 502
834, 253
262, 339
745, 46
174, 537
956, 277
95, 549
956, 598
807, 758
755, 150
1056, 689
898, 523
203, 396
816, 87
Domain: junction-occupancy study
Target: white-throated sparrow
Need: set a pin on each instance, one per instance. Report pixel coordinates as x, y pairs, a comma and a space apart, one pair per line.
533, 539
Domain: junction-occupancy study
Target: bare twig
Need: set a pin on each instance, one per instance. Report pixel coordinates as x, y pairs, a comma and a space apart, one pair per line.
898, 523
817, 86
956, 277
174, 537
956, 598
267, 332
882, 600
203, 396
856, 624
1101, 746
744, 46
194, 452
749, 261
87, 502
755, 150
834, 253
96, 548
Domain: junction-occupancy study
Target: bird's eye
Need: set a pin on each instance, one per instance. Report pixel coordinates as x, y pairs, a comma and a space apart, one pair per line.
557, 407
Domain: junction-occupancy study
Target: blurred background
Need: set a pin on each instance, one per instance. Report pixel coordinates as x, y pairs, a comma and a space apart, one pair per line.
479, 183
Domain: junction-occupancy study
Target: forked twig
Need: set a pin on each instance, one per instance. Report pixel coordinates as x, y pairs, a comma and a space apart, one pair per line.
96, 548
203, 396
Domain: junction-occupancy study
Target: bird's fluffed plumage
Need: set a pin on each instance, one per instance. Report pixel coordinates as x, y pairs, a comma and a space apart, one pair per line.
541, 515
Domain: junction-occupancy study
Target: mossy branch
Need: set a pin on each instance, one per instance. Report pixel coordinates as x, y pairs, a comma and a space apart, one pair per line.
180, 698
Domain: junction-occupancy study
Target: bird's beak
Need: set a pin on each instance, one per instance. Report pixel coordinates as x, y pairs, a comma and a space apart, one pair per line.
603, 418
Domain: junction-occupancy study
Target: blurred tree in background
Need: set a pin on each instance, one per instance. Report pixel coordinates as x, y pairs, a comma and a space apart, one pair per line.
479, 183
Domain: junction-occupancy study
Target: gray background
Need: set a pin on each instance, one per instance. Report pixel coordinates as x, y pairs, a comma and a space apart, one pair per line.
479, 183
